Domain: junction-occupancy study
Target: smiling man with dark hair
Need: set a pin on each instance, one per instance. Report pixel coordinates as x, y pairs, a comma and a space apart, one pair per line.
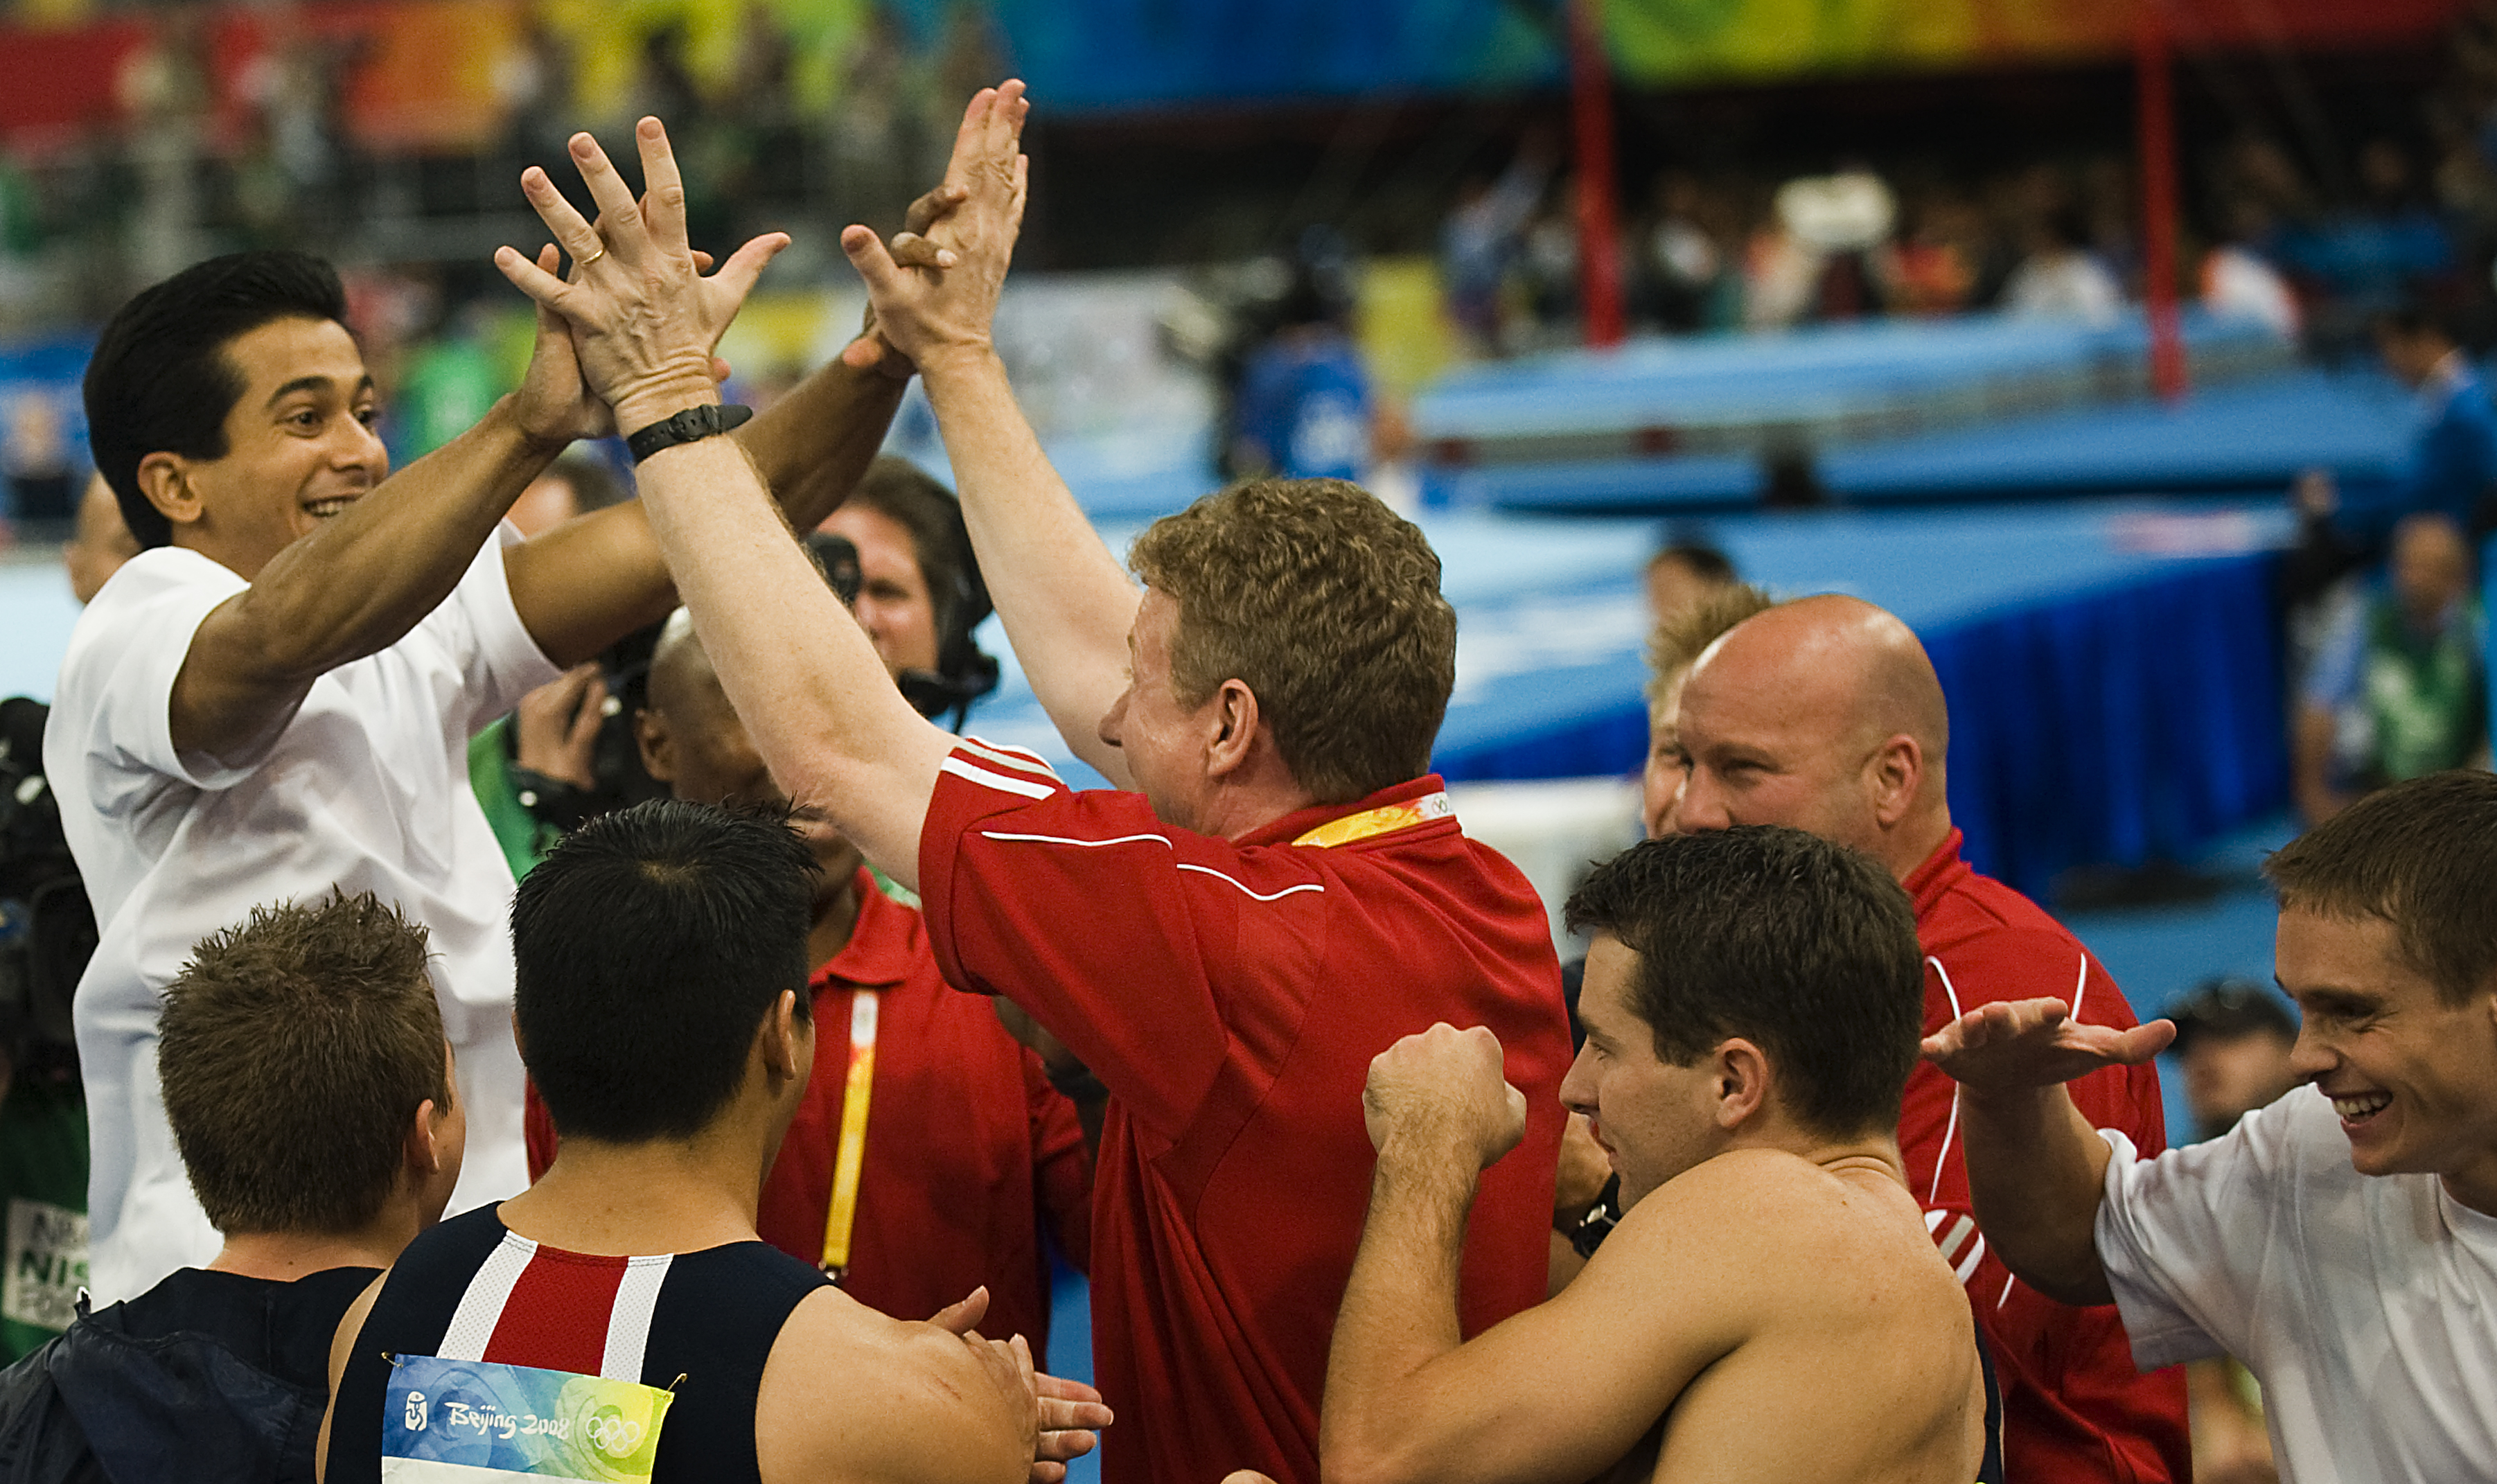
277, 694
2341, 1241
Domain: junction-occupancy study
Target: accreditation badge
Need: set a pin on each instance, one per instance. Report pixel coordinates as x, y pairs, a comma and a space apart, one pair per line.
471, 1422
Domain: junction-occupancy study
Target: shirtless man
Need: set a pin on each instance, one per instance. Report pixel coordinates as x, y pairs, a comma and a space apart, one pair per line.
1751, 1008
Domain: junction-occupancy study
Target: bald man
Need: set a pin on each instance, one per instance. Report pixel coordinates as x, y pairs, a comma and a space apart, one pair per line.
1824, 714
968, 1152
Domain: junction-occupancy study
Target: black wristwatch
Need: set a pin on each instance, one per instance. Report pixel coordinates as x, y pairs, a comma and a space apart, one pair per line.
691, 425
1590, 1229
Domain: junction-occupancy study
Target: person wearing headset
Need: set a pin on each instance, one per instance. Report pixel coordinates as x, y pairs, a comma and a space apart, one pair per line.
919, 594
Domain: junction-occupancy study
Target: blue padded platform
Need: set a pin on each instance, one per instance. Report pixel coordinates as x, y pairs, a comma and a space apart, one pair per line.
2112, 669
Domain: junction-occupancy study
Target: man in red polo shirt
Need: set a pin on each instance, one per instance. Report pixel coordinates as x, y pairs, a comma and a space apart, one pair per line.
967, 1154
1285, 894
1824, 714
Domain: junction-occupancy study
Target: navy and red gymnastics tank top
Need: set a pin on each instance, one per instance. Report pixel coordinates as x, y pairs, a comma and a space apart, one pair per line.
701, 1324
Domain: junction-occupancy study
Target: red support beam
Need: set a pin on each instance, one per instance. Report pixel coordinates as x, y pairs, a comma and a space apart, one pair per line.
2156, 95
1590, 116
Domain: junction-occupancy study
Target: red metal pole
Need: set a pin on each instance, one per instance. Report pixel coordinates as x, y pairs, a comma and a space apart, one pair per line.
2158, 125
1591, 113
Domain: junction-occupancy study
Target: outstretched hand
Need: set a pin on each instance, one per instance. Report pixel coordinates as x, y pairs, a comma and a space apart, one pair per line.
2011, 1045
644, 317
922, 308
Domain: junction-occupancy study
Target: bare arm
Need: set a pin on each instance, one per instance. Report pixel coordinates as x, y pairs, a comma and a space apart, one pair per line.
1066, 602
816, 701
849, 1394
1405, 1397
2036, 1171
357, 584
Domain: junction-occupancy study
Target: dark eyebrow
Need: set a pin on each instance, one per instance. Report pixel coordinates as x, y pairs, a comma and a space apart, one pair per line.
314, 384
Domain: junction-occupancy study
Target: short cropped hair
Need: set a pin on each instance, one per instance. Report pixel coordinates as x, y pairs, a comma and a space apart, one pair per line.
648, 946
1678, 641
294, 1051
160, 381
1326, 604
1805, 948
2420, 855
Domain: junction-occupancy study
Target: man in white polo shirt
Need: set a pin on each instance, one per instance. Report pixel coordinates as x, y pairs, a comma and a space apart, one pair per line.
2342, 1242
275, 696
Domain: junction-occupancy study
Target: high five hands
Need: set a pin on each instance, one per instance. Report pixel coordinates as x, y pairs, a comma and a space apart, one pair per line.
935, 289
644, 317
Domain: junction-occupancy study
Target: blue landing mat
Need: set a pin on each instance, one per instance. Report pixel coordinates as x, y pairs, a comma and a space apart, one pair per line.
2112, 668
2248, 436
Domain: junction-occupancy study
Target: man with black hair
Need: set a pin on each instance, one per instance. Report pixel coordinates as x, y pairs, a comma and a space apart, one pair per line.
622, 1312
278, 692
930, 1152
309, 1087
1752, 1004
2341, 1241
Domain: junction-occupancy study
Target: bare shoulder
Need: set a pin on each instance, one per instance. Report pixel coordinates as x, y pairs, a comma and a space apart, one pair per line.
1774, 1229
851, 1393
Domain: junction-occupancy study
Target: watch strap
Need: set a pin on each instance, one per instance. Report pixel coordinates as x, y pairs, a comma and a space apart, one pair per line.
691, 425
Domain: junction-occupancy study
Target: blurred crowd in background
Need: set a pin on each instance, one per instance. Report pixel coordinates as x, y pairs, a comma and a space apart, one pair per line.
229, 127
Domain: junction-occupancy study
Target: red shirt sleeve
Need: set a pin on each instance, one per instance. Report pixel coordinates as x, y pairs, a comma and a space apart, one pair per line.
1106, 924
1061, 1166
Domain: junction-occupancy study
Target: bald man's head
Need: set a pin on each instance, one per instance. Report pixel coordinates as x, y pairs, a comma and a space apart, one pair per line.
692, 742
1823, 715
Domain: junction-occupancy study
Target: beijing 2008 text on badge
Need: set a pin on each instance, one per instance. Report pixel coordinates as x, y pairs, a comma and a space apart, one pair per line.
472, 1422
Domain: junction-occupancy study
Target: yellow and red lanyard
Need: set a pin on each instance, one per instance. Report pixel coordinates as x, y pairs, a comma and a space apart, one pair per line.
840, 1217
1386, 819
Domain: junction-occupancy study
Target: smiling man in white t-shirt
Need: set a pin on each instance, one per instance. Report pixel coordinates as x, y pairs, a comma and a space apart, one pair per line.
2342, 1242
275, 696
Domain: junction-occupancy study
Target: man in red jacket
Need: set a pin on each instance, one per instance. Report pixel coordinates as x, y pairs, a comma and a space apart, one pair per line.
966, 1153
1824, 714
1278, 892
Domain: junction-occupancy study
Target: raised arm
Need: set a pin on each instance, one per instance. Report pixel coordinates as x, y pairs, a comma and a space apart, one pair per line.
591, 580
1408, 1399
1066, 601
816, 701
2036, 1170
357, 584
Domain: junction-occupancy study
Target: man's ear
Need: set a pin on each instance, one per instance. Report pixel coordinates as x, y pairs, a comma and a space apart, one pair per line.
1741, 1073
1898, 777
166, 480
657, 744
1233, 718
783, 1041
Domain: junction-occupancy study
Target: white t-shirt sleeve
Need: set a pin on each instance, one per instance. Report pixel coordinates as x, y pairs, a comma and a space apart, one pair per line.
128, 650
2184, 1237
481, 629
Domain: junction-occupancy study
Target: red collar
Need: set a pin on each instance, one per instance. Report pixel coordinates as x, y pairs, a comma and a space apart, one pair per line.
1928, 884
884, 943
1300, 822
